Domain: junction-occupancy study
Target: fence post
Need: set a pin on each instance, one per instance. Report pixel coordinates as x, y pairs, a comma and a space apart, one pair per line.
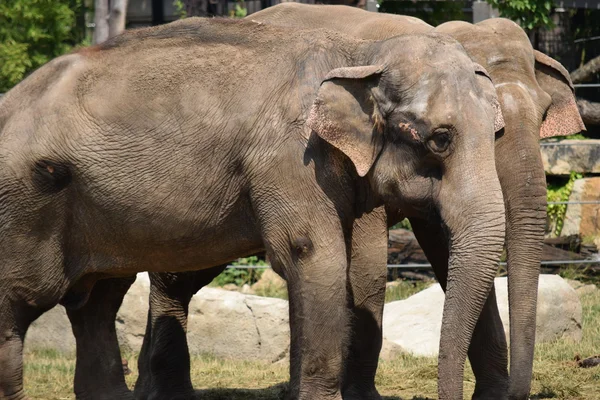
372, 6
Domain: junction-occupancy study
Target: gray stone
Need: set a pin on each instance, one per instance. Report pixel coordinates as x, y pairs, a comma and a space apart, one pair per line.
222, 323
390, 351
269, 280
560, 158
51, 331
581, 288
415, 323
231, 324
583, 219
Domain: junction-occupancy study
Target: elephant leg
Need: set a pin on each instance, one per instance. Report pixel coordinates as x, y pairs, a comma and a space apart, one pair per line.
487, 350
15, 318
99, 369
164, 361
366, 281
310, 248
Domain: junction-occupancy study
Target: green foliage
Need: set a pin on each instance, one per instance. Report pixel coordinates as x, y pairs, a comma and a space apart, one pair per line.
432, 12
402, 289
239, 276
32, 32
240, 10
179, 8
556, 212
404, 224
530, 14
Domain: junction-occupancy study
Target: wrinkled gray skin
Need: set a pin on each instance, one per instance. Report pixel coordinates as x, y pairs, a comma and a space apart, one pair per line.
537, 100
536, 97
525, 78
221, 139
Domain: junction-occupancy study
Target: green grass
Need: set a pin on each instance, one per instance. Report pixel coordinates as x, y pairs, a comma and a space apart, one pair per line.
49, 375
404, 289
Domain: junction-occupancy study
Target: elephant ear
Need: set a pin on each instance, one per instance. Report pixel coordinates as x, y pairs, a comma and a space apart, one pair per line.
562, 117
346, 115
490, 92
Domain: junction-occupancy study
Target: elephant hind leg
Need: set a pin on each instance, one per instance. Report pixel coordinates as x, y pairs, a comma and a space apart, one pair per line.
99, 369
164, 362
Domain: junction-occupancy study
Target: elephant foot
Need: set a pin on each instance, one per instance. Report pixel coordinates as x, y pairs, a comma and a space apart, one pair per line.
122, 394
171, 395
498, 393
356, 392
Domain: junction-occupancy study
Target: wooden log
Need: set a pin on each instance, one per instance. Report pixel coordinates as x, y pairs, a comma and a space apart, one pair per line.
586, 72
590, 112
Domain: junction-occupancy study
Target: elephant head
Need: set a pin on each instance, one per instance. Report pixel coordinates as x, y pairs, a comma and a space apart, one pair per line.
537, 101
422, 134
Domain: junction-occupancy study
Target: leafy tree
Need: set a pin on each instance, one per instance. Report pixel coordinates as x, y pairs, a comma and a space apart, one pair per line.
32, 32
530, 14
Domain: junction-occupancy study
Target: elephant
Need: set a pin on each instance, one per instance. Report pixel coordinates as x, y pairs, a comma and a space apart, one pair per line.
121, 158
537, 100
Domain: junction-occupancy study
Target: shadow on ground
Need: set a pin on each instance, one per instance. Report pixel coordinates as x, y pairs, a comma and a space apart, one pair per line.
276, 392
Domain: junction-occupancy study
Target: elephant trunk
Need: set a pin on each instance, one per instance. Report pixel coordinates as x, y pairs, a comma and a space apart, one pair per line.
473, 212
523, 182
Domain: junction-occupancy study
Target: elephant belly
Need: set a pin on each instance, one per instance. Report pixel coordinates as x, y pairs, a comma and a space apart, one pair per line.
197, 233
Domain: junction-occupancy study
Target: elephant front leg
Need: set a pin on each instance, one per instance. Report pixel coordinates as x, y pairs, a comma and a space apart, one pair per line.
488, 349
164, 361
367, 276
312, 256
99, 369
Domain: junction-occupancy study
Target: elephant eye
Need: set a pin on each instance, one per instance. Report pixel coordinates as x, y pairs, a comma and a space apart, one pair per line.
439, 141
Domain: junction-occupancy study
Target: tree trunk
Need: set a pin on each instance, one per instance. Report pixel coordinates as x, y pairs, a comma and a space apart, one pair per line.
100, 21
118, 10
590, 112
587, 72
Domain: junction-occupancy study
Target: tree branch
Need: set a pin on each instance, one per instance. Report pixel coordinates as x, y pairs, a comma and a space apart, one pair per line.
590, 112
586, 72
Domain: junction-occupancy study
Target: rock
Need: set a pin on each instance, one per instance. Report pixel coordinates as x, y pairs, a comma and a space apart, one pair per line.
582, 288
133, 314
560, 158
393, 284
584, 219
230, 324
246, 289
269, 280
221, 322
415, 323
390, 351
587, 289
51, 331
232, 287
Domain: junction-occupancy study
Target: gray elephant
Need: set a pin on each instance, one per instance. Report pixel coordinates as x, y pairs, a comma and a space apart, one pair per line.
537, 101
123, 157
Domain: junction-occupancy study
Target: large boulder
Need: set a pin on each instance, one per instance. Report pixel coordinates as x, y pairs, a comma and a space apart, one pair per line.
415, 323
584, 219
561, 158
221, 322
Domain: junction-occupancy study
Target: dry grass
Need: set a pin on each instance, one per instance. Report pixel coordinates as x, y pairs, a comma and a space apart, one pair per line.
48, 375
